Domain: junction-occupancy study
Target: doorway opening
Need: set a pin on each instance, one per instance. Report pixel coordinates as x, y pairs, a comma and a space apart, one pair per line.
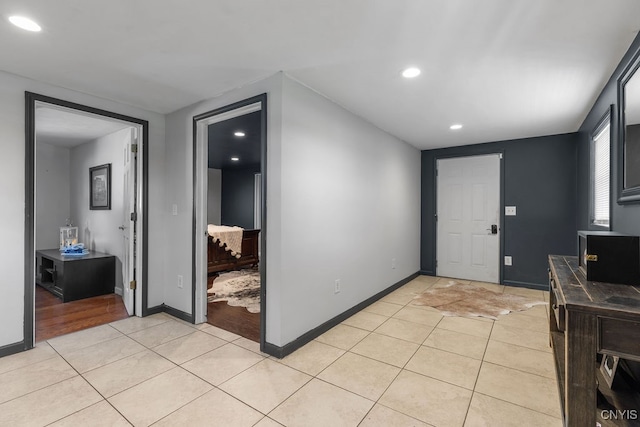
229, 219
86, 216
468, 220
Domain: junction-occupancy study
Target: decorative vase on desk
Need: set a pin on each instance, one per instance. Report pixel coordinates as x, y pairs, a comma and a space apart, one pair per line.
68, 236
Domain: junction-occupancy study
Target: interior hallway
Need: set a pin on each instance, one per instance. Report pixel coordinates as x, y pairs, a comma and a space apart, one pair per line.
390, 364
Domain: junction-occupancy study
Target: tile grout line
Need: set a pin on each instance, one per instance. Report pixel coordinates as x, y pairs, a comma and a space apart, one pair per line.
104, 399
520, 370
400, 369
228, 379
475, 384
488, 339
187, 403
345, 351
516, 404
32, 363
403, 368
58, 354
151, 349
42, 388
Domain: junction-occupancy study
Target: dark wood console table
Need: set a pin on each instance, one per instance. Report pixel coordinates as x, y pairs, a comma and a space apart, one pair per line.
587, 318
75, 277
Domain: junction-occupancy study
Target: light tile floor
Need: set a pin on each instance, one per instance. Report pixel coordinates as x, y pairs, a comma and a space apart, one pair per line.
392, 364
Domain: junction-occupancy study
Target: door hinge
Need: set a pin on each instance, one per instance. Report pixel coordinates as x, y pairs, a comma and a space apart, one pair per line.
133, 284
134, 216
436, 263
436, 216
134, 148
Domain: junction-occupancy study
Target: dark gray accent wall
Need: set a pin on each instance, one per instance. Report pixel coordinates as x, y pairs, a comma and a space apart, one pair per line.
624, 218
539, 178
238, 196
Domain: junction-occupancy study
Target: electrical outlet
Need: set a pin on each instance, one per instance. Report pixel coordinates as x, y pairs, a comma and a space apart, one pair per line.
507, 260
180, 281
174, 209
336, 289
510, 211
393, 263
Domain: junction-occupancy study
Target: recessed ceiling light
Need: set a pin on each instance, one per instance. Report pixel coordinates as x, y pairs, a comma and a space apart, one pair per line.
239, 134
410, 73
457, 126
24, 23
235, 159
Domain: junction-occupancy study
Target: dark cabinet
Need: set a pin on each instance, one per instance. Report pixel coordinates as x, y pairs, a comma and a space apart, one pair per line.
587, 319
75, 277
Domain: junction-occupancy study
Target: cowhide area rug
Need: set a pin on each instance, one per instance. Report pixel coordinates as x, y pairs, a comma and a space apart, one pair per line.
459, 299
238, 288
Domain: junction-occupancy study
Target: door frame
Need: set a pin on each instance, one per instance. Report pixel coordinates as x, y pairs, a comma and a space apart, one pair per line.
199, 246
501, 207
31, 99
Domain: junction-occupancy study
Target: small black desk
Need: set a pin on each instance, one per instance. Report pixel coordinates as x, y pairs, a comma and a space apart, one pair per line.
75, 277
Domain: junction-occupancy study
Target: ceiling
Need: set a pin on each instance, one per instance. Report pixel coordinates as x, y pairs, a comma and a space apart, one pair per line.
503, 68
70, 128
223, 144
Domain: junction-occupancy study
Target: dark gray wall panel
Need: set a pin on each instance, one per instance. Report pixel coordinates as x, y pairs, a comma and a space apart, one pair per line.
539, 178
237, 197
624, 218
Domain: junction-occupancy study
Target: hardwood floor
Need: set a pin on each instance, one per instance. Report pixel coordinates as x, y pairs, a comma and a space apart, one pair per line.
55, 318
234, 319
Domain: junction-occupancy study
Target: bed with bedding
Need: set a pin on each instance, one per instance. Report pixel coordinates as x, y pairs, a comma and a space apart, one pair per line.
230, 248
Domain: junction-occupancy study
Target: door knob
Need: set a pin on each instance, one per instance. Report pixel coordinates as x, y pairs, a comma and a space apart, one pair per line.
493, 229
122, 227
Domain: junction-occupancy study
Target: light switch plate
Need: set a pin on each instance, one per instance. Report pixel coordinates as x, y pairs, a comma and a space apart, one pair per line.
507, 260
510, 211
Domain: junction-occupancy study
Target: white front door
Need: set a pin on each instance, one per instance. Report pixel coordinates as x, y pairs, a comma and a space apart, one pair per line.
128, 224
468, 208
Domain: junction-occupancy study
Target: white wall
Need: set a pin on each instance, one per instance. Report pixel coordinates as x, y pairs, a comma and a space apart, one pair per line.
343, 199
350, 203
327, 170
98, 229
53, 205
12, 193
214, 196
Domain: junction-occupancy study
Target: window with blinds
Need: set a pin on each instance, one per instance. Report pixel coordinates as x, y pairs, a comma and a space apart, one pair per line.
600, 167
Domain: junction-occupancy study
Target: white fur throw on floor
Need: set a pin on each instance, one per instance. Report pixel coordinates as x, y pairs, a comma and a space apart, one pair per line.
237, 288
458, 299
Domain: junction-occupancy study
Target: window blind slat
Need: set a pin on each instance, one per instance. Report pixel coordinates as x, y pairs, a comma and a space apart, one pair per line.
601, 149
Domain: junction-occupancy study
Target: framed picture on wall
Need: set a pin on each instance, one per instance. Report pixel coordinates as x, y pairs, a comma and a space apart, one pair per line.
100, 187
